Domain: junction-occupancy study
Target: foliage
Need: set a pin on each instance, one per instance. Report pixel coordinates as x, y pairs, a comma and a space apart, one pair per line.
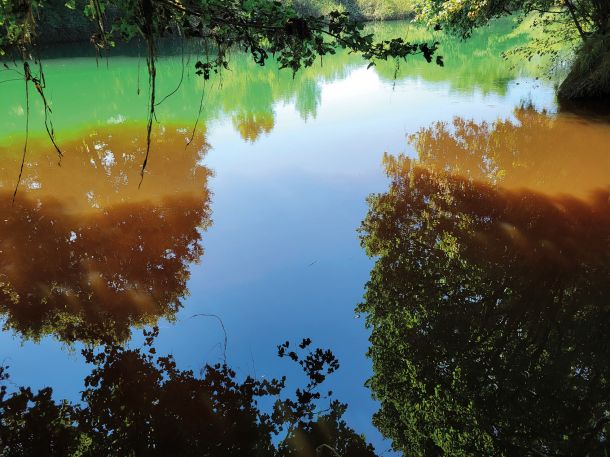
17, 23
473, 64
529, 150
579, 25
488, 306
586, 16
34, 424
366, 9
138, 403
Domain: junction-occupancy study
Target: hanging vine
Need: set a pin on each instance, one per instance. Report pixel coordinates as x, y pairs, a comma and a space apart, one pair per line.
148, 32
27, 76
17, 26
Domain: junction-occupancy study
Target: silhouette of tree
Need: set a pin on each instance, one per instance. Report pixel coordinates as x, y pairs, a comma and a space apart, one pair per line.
252, 125
34, 424
138, 403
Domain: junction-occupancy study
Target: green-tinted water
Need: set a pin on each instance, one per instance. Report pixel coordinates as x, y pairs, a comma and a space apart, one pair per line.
86, 93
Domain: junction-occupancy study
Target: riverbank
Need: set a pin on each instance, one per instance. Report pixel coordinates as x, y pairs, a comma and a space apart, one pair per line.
589, 77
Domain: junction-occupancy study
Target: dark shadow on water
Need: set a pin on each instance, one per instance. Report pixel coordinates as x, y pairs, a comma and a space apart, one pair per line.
594, 109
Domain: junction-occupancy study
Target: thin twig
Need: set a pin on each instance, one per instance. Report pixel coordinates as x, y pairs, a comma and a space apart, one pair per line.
188, 143
224, 330
330, 448
139, 58
179, 83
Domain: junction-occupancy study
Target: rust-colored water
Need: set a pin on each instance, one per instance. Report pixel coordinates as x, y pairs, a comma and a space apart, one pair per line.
85, 252
553, 154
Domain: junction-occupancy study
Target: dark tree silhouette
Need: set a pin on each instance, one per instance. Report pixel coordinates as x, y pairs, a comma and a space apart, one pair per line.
137, 403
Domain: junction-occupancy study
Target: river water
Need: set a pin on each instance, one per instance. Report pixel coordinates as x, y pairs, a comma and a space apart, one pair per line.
255, 221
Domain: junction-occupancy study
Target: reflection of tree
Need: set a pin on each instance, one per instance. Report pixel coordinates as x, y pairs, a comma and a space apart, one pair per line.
478, 63
489, 311
308, 98
251, 125
554, 154
474, 64
138, 403
85, 254
247, 90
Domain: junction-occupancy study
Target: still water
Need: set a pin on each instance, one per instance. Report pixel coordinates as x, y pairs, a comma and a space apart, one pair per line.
255, 221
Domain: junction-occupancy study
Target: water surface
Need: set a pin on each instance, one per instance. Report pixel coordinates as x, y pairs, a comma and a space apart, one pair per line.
255, 220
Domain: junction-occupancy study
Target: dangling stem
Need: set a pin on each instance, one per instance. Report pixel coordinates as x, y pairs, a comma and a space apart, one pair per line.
147, 29
207, 55
138, 90
152, 72
198, 118
27, 77
179, 82
40, 84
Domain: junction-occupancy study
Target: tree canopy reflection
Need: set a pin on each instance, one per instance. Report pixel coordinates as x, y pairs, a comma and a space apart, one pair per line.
139, 403
252, 125
85, 254
489, 305
536, 150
